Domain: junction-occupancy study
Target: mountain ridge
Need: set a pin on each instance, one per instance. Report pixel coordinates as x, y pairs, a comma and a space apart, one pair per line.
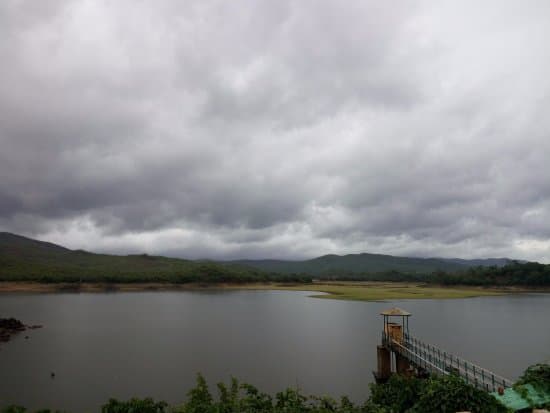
14, 246
348, 264
27, 259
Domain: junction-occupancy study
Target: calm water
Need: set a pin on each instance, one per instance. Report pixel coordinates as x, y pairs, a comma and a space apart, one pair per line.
153, 343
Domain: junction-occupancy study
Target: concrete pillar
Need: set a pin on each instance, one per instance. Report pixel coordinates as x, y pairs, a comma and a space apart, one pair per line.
384, 363
402, 365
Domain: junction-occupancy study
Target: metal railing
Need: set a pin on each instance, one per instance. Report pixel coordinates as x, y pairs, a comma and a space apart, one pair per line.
438, 361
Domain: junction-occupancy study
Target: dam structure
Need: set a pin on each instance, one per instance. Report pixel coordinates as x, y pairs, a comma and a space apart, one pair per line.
401, 353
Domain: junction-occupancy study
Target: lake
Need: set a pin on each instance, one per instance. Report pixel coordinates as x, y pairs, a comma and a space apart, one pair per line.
103, 345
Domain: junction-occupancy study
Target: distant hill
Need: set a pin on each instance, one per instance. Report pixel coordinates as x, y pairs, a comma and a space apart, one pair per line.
23, 258
338, 265
17, 244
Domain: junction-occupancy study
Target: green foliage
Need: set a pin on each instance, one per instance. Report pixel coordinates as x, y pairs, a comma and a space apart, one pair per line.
376, 267
399, 394
530, 274
354, 266
538, 376
21, 409
233, 399
23, 259
200, 399
134, 405
371, 407
451, 394
447, 394
253, 400
229, 398
14, 409
245, 398
290, 400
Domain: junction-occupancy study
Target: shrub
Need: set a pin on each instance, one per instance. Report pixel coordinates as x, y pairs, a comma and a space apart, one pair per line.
452, 394
134, 405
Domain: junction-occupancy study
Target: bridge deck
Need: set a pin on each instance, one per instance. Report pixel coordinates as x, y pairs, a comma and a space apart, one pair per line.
438, 361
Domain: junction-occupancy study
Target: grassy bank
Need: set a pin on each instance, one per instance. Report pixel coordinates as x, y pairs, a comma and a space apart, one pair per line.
366, 291
376, 291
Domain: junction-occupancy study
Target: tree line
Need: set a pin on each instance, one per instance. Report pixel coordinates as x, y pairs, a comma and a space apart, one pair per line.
147, 269
530, 274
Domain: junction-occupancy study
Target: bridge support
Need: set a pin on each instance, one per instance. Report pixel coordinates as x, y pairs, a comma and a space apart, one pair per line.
402, 364
384, 364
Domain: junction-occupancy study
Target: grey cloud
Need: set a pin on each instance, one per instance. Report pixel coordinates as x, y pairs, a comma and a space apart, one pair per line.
280, 129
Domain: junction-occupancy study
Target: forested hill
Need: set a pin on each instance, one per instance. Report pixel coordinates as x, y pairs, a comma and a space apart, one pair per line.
27, 259
355, 264
23, 258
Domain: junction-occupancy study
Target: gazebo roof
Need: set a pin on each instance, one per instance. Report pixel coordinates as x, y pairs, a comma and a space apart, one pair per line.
396, 311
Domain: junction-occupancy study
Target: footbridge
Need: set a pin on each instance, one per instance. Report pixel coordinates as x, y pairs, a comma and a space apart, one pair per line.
402, 353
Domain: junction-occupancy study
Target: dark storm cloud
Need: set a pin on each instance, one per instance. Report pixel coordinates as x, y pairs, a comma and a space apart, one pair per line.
277, 129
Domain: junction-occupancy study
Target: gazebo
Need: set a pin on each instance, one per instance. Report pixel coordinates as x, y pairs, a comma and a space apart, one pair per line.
392, 329
393, 333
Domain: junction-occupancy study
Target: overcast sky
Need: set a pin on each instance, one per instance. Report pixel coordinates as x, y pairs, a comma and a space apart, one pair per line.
277, 129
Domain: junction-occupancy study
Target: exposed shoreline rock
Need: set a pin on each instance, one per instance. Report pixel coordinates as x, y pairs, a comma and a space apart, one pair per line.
12, 326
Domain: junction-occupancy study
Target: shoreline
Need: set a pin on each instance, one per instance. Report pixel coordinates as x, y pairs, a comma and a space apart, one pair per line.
342, 290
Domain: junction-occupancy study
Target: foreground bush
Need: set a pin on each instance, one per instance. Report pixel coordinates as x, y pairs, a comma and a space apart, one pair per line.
537, 376
451, 394
399, 395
